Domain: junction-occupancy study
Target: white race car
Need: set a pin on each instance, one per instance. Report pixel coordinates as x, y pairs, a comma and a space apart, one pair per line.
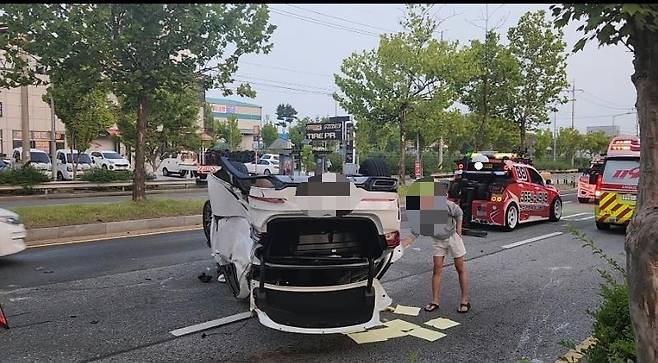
308, 252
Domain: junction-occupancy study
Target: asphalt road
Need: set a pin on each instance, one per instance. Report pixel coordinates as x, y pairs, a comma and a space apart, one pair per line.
118, 300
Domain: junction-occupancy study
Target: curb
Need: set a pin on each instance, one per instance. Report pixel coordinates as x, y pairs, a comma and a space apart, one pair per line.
54, 235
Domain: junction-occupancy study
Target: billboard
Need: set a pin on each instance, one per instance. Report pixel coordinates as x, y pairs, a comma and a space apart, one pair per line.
324, 131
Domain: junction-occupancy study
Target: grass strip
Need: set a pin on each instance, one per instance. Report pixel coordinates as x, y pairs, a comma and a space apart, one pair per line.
71, 214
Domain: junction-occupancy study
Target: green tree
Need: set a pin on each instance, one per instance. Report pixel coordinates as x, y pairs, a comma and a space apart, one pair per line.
208, 117
569, 141
172, 125
408, 69
140, 48
229, 131
307, 159
86, 113
269, 134
489, 89
543, 141
298, 132
635, 26
540, 54
286, 114
596, 143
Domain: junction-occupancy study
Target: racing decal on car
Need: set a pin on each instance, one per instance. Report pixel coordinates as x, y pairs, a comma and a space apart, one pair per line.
520, 172
533, 200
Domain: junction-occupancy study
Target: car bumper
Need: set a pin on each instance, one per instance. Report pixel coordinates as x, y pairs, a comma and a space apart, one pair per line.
489, 213
319, 310
13, 240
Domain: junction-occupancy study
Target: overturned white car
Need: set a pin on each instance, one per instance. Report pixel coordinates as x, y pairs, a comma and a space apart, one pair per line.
307, 251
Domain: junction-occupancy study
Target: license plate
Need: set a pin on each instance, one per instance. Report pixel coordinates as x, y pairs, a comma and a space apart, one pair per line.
630, 197
482, 213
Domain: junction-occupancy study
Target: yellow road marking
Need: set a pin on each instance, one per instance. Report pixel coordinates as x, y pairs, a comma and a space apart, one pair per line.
575, 355
117, 236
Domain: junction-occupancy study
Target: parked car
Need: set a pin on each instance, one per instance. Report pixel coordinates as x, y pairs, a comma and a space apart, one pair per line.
182, 163
12, 233
108, 159
270, 157
263, 167
504, 192
39, 160
65, 161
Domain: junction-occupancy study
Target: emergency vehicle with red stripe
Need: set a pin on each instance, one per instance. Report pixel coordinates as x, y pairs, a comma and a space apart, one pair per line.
617, 186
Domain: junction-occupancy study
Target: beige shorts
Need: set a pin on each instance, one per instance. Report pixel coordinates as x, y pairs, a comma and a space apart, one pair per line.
454, 244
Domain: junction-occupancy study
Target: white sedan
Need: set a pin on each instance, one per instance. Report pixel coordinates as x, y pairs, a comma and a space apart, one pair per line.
264, 167
12, 233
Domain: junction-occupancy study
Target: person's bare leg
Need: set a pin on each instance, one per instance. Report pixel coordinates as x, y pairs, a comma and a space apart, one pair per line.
463, 279
436, 278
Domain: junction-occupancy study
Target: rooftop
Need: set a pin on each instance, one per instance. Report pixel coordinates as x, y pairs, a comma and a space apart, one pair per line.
228, 102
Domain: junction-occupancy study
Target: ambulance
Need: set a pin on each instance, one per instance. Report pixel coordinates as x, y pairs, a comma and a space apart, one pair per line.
617, 186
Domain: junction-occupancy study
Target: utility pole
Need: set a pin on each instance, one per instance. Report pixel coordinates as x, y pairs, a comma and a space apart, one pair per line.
555, 135
25, 116
53, 140
573, 102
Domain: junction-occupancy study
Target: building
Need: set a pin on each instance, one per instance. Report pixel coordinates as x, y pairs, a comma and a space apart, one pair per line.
40, 125
248, 115
608, 130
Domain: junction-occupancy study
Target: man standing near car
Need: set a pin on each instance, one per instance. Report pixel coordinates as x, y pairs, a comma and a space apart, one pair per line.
433, 217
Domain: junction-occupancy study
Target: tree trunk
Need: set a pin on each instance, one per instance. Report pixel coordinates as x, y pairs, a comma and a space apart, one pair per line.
139, 185
401, 165
522, 135
642, 237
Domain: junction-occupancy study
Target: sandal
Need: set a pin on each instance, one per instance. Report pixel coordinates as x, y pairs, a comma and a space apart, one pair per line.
431, 307
467, 306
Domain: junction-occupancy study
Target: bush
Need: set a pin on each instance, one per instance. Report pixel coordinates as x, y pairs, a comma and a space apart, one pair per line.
613, 327
26, 176
98, 175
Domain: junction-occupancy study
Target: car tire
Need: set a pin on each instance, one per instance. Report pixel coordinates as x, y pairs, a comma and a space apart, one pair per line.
374, 167
267, 172
183, 173
60, 176
165, 172
104, 166
511, 218
602, 226
556, 210
207, 221
583, 200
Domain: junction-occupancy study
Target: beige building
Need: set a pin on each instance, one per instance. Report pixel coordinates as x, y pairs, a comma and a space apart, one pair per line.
40, 126
249, 116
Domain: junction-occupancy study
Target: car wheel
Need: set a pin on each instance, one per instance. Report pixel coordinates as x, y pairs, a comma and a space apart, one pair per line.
165, 172
60, 177
602, 226
556, 210
583, 200
374, 167
183, 173
207, 220
104, 166
267, 172
511, 217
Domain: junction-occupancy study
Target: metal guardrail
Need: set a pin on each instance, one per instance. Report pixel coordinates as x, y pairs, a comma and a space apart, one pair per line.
78, 185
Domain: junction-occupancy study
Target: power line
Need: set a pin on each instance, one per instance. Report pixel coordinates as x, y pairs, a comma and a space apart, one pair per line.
321, 22
285, 83
607, 102
343, 19
288, 69
284, 87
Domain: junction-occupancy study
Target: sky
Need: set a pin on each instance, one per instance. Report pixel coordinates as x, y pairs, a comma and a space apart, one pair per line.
311, 41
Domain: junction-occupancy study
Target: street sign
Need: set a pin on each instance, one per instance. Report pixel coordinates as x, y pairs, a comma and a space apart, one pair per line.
324, 131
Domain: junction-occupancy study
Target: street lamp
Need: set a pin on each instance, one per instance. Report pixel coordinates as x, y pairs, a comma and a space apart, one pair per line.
620, 114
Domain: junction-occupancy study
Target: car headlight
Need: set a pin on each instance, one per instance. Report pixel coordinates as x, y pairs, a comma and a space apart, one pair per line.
10, 220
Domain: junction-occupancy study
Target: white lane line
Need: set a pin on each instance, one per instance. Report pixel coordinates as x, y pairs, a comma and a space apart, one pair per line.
582, 219
568, 194
567, 202
538, 238
574, 215
211, 324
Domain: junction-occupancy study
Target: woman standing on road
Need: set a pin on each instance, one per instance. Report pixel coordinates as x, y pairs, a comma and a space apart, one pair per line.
431, 214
